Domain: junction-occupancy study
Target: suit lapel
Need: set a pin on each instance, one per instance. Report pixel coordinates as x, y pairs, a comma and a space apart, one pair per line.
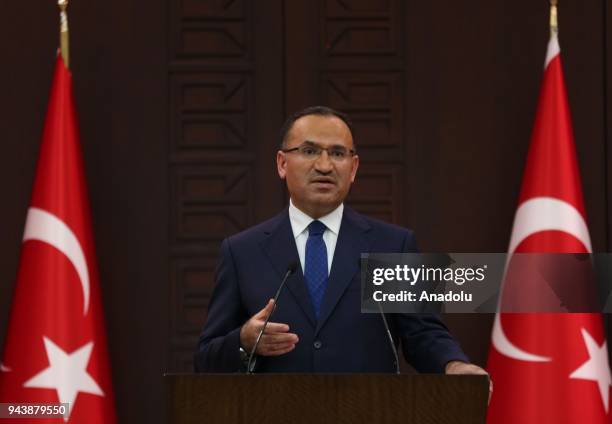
351, 243
279, 245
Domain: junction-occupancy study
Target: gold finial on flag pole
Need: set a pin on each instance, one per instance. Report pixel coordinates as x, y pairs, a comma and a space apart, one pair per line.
554, 25
64, 48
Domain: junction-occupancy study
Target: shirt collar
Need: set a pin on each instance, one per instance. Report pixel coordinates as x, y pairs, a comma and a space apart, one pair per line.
300, 221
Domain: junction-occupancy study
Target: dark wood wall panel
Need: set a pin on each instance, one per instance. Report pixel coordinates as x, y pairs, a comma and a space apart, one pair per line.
211, 120
361, 28
211, 29
582, 35
379, 192
180, 103
358, 54
129, 189
473, 78
375, 103
222, 82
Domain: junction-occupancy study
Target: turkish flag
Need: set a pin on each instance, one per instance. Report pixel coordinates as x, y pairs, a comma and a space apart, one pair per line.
550, 368
55, 349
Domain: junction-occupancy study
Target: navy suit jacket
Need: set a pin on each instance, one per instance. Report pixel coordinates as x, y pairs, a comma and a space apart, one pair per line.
251, 267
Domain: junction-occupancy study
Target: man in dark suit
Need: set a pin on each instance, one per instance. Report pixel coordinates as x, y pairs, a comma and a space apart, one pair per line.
317, 325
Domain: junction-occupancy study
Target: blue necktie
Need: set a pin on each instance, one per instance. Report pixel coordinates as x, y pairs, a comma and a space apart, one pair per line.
315, 271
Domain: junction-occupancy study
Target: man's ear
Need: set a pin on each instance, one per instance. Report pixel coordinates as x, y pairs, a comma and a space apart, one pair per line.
281, 164
355, 165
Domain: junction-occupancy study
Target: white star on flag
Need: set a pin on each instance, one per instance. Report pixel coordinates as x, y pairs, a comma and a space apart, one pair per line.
596, 368
67, 373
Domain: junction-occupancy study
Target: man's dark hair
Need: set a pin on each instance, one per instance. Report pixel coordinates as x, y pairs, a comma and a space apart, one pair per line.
312, 110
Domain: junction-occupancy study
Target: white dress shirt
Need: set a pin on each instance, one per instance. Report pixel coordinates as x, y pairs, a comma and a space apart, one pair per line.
300, 222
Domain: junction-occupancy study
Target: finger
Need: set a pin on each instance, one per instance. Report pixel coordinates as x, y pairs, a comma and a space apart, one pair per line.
273, 339
280, 350
271, 328
267, 310
279, 346
276, 327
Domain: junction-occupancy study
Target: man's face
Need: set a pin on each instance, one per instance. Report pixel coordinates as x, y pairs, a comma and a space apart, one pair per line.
317, 185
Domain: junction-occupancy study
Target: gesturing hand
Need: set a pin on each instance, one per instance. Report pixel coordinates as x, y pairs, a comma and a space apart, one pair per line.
275, 341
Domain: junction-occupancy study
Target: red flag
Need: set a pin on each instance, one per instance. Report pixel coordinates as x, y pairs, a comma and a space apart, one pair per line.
550, 368
55, 349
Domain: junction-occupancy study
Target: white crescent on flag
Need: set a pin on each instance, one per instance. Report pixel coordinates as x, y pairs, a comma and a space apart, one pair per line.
533, 216
48, 228
548, 214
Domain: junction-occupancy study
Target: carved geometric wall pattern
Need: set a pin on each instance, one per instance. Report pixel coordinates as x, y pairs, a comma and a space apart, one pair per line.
210, 111
361, 42
210, 157
212, 40
191, 285
212, 9
210, 202
211, 132
202, 29
213, 93
214, 185
359, 8
374, 102
378, 191
361, 28
191, 288
364, 39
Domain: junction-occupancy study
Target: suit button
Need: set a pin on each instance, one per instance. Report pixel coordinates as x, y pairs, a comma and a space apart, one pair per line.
317, 344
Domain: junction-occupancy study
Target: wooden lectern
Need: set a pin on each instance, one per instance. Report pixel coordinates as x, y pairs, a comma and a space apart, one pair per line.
326, 398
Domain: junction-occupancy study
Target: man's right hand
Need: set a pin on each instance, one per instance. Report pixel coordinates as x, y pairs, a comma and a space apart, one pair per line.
275, 341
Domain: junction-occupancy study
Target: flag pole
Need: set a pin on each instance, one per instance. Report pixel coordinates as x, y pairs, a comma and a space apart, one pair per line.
64, 45
554, 25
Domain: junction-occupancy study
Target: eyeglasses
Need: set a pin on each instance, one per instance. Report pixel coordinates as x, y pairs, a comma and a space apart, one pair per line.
312, 151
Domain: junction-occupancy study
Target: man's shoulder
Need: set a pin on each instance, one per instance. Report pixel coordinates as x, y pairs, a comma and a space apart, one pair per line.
378, 225
383, 232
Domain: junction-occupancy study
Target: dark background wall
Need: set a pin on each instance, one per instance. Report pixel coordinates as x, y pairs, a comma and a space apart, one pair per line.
180, 103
